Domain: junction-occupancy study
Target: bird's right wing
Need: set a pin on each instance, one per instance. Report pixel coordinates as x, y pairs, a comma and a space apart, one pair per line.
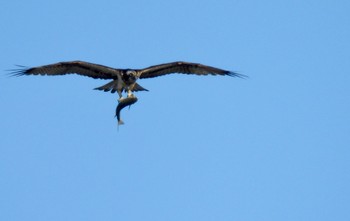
72, 67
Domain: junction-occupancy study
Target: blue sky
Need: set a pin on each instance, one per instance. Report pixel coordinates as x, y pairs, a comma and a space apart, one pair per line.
271, 147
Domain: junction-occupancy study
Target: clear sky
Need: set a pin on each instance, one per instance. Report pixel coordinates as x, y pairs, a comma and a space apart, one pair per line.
272, 147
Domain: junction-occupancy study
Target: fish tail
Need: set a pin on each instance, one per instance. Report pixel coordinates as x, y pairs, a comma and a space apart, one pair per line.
120, 122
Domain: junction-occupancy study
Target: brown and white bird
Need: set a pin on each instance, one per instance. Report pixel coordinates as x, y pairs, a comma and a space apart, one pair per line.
123, 79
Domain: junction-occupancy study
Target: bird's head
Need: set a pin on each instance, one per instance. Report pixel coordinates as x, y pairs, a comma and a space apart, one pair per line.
129, 76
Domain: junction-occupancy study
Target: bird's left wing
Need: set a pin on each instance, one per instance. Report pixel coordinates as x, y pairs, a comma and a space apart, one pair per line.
71, 67
184, 68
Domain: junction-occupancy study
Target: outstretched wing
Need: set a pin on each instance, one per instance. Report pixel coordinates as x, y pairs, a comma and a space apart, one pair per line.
72, 67
184, 68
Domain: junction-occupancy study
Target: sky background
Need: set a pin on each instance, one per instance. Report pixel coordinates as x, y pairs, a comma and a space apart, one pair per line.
275, 146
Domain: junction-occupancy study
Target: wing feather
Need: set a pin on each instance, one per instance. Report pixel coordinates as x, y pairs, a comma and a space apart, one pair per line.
184, 68
72, 67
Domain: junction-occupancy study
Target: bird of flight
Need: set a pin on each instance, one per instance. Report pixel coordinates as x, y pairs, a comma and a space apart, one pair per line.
123, 80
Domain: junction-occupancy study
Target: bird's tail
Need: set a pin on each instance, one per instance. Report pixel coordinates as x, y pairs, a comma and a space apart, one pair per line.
113, 87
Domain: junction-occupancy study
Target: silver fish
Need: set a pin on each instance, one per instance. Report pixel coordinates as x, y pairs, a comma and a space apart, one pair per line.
122, 104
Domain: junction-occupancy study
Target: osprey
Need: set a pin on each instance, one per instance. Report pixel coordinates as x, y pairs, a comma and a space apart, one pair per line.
123, 80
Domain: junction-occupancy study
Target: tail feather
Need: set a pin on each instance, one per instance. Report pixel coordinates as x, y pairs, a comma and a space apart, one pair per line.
138, 87
113, 87
108, 87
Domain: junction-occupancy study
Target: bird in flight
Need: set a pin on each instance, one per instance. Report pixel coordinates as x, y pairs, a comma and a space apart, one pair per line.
123, 80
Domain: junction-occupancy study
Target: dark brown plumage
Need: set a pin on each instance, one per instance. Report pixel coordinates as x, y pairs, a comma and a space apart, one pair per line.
183, 68
123, 79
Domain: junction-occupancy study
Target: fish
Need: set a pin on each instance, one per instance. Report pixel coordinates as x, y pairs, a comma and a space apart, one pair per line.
122, 104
